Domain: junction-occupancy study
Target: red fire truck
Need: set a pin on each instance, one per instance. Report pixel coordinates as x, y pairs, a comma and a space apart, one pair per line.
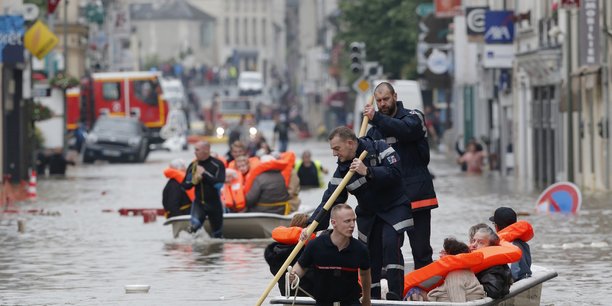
135, 94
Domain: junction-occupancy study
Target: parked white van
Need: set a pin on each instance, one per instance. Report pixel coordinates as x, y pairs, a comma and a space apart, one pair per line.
408, 91
250, 83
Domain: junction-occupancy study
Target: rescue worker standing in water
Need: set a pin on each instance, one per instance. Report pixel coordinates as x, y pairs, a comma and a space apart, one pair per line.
383, 214
404, 130
203, 174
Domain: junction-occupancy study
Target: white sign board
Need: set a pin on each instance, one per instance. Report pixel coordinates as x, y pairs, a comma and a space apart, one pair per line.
498, 56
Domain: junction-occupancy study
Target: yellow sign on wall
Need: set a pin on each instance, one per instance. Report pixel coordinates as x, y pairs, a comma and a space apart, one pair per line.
39, 40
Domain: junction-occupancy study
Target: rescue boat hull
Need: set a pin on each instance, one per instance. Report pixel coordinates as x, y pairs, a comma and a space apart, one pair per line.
524, 292
237, 225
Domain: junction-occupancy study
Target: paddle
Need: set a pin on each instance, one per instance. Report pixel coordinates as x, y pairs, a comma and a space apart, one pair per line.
319, 216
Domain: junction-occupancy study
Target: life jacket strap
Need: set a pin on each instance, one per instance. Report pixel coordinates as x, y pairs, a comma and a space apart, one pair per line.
276, 204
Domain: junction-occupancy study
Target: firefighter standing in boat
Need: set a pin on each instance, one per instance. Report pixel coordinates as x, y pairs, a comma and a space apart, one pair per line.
383, 214
206, 174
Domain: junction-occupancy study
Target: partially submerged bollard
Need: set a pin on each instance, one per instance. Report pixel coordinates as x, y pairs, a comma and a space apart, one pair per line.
20, 226
149, 216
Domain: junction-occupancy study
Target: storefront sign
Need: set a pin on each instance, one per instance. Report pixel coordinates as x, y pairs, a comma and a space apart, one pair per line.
448, 8
589, 33
499, 27
11, 43
475, 20
498, 56
570, 4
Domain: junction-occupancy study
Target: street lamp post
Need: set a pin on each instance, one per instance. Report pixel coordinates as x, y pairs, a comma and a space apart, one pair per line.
65, 131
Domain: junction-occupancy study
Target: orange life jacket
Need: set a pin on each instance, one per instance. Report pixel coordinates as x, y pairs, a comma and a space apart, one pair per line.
276, 164
179, 176
222, 159
232, 194
502, 254
289, 235
432, 275
288, 156
519, 230
253, 162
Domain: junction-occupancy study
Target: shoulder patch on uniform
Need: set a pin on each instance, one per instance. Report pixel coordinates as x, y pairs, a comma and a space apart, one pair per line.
391, 159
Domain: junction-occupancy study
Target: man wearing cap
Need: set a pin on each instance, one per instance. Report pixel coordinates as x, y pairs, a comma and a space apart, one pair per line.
502, 218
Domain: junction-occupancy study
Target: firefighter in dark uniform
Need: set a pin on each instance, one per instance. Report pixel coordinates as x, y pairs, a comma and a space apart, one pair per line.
205, 174
383, 214
405, 131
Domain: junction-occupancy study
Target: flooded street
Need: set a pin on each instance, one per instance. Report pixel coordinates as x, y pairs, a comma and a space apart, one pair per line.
85, 256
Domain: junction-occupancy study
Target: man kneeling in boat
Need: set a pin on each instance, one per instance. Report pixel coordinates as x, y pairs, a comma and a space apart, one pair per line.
265, 186
277, 252
337, 258
175, 199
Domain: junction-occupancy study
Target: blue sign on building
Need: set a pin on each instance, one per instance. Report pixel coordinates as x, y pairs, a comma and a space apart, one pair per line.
11, 39
499, 27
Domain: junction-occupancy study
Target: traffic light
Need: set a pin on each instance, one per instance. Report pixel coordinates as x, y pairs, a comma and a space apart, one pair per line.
357, 57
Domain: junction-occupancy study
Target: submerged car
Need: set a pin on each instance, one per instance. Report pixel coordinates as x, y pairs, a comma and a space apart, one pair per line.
117, 139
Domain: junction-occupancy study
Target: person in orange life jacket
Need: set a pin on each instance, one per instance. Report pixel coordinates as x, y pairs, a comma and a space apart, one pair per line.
309, 171
405, 131
337, 258
269, 191
276, 253
205, 173
383, 213
176, 200
233, 191
237, 148
502, 218
291, 178
459, 285
496, 280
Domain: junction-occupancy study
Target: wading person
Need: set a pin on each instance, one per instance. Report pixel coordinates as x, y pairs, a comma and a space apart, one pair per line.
203, 174
336, 258
405, 131
383, 214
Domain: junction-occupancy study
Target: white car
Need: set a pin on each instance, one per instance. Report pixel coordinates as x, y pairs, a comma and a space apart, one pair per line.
250, 83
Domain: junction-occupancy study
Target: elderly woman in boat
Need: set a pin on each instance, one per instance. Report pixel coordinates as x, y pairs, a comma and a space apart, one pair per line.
265, 187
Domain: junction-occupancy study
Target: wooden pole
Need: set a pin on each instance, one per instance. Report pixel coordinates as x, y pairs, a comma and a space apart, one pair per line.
364, 123
322, 212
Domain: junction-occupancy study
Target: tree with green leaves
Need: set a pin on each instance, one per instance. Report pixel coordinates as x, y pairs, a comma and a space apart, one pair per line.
390, 30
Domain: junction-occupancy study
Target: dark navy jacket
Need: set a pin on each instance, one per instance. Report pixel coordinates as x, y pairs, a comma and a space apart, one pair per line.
206, 191
381, 195
407, 134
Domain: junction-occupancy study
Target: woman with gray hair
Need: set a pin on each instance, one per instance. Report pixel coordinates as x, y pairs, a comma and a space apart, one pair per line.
496, 280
